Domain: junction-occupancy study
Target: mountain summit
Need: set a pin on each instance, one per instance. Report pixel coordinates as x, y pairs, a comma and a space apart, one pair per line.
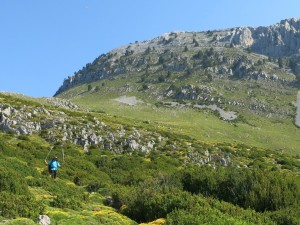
279, 40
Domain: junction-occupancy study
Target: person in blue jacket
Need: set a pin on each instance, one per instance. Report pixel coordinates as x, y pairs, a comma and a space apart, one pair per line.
53, 165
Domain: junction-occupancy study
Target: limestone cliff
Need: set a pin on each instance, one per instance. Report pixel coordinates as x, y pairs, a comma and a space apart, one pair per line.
282, 39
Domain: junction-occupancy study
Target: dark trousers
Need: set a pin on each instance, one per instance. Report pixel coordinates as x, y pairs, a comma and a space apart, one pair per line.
53, 174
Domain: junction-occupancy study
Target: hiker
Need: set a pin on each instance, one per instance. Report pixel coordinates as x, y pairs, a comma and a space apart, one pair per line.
53, 166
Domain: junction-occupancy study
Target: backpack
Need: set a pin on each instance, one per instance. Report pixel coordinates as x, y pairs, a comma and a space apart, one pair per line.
50, 166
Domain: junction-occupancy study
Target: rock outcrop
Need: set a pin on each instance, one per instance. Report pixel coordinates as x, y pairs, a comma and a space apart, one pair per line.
44, 220
279, 40
56, 126
61, 103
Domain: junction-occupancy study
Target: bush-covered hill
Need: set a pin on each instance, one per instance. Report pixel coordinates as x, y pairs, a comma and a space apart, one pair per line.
137, 172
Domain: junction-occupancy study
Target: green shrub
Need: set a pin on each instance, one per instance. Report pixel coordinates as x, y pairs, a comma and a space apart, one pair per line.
290, 216
20, 221
23, 137
258, 189
12, 182
152, 199
13, 206
205, 214
95, 186
67, 201
16, 166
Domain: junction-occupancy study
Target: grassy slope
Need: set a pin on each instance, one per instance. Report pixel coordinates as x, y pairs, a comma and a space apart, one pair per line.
277, 132
204, 125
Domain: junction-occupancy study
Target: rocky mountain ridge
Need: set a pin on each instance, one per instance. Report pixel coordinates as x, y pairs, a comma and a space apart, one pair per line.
279, 40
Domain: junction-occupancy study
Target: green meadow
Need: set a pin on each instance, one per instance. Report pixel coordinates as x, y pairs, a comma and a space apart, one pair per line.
205, 125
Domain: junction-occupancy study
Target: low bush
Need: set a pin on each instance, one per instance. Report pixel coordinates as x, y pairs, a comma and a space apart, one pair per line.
13, 206
67, 201
12, 182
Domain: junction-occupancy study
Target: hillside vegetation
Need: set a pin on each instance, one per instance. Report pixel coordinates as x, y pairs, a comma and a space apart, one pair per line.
186, 128
179, 181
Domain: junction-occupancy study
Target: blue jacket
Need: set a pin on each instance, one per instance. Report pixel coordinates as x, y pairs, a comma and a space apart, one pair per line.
54, 164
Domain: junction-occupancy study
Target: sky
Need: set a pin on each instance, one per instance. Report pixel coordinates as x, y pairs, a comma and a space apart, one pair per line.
43, 42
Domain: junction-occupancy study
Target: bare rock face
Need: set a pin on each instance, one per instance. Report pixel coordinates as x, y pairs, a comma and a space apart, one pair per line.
281, 39
241, 36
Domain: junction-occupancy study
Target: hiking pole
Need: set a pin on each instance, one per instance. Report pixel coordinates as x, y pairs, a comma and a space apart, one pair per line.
63, 154
48, 154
